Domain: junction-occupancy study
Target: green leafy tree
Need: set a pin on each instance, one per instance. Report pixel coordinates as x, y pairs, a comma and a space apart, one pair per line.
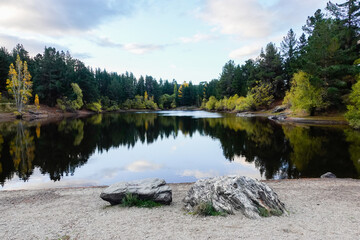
260, 95
353, 113
303, 95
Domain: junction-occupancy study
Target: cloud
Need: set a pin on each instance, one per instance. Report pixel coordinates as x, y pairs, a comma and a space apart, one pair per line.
197, 38
248, 51
32, 45
134, 48
199, 174
142, 48
105, 42
81, 56
142, 166
257, 19
59, 17
242, 18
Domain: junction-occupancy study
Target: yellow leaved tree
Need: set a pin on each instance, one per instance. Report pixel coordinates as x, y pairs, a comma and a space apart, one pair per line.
36, 102
19, 84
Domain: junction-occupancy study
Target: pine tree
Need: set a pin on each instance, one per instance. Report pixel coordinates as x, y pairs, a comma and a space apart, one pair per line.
289, 51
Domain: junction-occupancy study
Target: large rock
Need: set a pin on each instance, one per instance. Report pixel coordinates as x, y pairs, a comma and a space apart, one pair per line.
147, 189
232, 194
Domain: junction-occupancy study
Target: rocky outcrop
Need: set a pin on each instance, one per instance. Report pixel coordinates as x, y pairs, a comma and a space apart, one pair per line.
328, 175
233, 194
279, 109
147, 189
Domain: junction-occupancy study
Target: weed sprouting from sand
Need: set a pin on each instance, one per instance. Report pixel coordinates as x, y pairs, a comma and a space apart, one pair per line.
207, 209
276, 212
65, 237
263, 212
131, 200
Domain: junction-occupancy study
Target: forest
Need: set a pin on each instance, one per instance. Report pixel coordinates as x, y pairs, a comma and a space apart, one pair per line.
315, 73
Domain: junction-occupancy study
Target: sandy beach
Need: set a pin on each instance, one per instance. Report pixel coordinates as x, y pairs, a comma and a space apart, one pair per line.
319, 209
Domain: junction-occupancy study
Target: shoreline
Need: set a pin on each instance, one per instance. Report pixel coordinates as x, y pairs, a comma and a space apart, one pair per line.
50, 114
319, 209
267, 181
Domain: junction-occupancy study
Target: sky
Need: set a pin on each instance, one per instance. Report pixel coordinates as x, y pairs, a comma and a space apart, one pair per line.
168, 39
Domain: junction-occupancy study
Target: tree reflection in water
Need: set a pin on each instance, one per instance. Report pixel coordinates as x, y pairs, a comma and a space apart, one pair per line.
277, 151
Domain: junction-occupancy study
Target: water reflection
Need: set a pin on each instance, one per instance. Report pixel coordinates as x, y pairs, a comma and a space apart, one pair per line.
58, 149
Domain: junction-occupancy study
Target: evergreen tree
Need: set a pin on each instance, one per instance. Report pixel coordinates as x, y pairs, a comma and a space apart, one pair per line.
289, 52
227, 77
270, 70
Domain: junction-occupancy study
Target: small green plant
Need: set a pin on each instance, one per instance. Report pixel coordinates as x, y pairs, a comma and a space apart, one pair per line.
131, 200
65, 237
276, 212
95, 107
207, 209
263, 212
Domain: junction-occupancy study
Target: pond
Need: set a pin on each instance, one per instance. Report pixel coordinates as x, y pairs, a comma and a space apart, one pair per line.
179, 146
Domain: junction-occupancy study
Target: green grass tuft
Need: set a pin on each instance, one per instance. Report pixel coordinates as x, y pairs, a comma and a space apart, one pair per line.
131, 200
263, 212
207, 209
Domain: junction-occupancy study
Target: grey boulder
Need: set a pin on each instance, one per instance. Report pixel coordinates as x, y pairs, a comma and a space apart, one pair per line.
147, 189
328, 175
232, 194
278, 109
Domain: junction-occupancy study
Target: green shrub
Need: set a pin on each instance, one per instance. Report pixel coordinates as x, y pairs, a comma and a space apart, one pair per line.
95, 107
61, 104
131, 200
244, 104
303, 95
207, 209
150, 104
71, 105
127, 104
263, 212
112, 108
210, 105
353, 113
260, 96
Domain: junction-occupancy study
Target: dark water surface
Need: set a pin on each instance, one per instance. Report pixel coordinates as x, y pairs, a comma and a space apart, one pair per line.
179, 146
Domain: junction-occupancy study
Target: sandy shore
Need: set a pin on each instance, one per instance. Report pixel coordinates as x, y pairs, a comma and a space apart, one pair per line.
319, 209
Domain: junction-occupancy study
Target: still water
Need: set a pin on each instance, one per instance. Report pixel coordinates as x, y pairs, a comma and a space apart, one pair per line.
179, 146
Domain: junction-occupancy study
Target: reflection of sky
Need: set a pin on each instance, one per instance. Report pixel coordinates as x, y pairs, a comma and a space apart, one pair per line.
183, 159
193, 114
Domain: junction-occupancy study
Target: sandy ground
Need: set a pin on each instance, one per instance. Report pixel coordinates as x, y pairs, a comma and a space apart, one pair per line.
319, 209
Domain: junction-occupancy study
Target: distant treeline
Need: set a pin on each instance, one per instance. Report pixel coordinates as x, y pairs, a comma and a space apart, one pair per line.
314, 72
54, 71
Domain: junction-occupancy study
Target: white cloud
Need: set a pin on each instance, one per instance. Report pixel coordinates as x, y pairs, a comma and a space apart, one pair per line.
142, 166
258, 19
142, 48
248, 51
197, 38
199, 174
239, 17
